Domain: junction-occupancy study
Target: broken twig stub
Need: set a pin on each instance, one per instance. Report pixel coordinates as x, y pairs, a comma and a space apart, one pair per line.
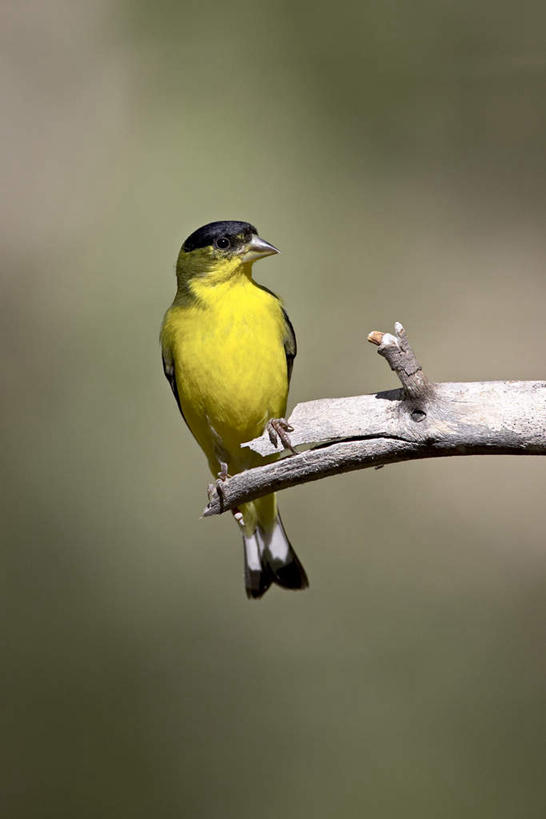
397, 350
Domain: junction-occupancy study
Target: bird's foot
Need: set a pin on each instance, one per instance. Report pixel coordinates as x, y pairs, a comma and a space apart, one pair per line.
217, 487
278, 428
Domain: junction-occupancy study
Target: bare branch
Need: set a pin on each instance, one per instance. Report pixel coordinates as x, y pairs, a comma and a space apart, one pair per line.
398, 352
421, 420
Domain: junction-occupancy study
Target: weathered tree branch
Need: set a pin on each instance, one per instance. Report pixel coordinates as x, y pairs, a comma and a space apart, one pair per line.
421, 420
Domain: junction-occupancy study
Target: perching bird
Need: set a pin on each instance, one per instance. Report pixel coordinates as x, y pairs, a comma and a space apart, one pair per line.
228, 348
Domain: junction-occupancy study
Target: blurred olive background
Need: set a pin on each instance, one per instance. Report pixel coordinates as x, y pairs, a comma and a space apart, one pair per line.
395, 153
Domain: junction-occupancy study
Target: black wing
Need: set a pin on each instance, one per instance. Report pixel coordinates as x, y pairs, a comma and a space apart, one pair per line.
168, 369
290, 344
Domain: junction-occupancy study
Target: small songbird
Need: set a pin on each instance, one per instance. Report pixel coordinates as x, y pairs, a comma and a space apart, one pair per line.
228, 348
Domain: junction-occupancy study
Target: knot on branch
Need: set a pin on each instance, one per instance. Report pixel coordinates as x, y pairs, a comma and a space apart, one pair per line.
398, 352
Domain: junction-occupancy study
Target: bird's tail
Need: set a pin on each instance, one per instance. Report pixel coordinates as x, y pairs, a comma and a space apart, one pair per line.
269, 556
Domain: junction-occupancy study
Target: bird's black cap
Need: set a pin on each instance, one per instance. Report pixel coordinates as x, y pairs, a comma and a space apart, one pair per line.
206, 235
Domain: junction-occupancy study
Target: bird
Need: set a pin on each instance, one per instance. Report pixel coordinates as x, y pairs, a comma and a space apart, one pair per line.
228, 349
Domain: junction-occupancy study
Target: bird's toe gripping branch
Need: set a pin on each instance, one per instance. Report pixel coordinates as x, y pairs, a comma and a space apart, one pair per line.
278, 428
217, 489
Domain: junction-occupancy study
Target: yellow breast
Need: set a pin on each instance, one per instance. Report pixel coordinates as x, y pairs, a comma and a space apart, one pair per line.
230, 365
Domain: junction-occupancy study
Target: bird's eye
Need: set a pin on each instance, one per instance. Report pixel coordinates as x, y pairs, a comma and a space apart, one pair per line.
223, 243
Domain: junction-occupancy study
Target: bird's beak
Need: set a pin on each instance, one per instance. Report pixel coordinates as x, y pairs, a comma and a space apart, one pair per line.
258, 248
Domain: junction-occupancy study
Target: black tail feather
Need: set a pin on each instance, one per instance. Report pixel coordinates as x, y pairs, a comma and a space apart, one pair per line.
291, 575
275, 561
257, 583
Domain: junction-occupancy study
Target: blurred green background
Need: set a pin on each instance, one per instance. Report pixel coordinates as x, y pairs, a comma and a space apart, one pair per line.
395, 153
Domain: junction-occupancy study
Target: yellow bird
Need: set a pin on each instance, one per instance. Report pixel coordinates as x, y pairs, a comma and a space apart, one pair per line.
228, 347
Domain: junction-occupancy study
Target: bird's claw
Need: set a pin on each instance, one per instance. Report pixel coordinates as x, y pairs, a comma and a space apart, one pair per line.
278, 428
217, 488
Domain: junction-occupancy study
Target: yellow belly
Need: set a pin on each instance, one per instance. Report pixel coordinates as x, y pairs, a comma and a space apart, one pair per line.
230, 366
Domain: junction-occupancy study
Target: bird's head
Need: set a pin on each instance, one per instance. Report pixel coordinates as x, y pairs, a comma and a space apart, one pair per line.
217, 251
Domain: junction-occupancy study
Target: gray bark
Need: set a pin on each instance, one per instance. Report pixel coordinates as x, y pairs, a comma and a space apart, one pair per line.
420, 420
